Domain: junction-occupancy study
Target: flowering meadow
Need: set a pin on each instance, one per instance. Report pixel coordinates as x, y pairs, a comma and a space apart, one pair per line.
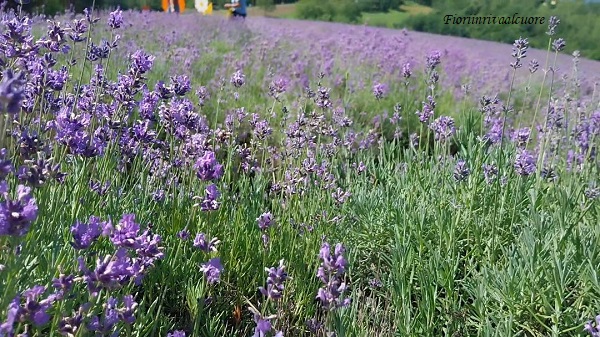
180, 175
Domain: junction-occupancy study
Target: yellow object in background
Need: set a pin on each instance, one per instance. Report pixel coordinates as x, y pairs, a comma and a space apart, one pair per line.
204, 7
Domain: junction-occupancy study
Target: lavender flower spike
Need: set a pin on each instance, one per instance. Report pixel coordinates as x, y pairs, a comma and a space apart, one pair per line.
331, 273
277, 276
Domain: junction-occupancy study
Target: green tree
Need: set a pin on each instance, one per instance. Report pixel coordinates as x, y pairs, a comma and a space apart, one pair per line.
266, 5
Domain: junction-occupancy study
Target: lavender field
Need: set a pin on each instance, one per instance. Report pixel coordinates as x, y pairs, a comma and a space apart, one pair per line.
182, 175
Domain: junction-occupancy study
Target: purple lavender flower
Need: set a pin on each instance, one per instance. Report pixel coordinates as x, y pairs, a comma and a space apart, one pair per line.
68, 326
331, 273
33, 310
379, 90
184, 234
6, 166
105, 324
278, 87
406, 71
17, 215
525, 163
203, 95
208, 168
558, 44
159, 195
12, 91
63, 283
443, 127
522, 136
148, 249
461, 170
433, 60
98, 187
209, 200
181, 85
553, 22
519, 52
323, 99
212, 192
262, 129
141, 62
340, 196
490, 173
176, 333
277, 276
238, 79
201, 243
110, 272
533, 66
361, 168
84, 234
127, 312
428, 110
265, 221
125, 232
115, 19
212, 270
593, 328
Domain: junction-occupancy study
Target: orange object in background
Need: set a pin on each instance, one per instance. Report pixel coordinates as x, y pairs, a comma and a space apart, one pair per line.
180, 5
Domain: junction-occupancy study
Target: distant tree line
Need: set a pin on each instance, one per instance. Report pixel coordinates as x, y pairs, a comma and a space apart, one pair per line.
342, 10
51, 7
328, 10
580, 26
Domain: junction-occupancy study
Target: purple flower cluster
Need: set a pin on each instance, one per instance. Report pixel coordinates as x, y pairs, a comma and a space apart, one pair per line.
277, 276
238, 79
428, 110
525, 163
120, 268
461, 171
490, 173
519, 52
278, 87
105, 324
84, 234
209, 200
11, 91
16, 215
212, 270
205, 245
380, 90
265, 221
263, 325
593, 328
443, 128
28, 307
115, 19
207, 167
331, 273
